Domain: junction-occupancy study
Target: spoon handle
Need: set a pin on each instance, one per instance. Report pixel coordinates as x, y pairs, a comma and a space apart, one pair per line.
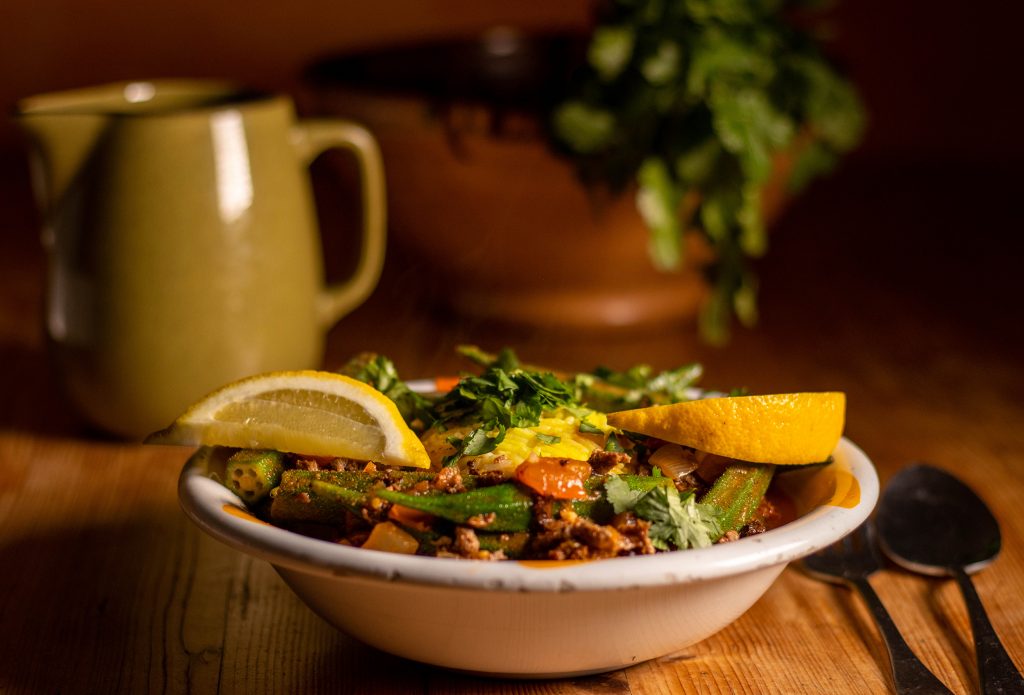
909, 674
995, 668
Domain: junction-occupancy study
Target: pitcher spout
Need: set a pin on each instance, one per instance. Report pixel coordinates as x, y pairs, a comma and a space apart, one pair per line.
65, 128
61, 139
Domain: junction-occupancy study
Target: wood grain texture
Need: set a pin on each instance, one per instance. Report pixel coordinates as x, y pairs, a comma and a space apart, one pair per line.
107, 588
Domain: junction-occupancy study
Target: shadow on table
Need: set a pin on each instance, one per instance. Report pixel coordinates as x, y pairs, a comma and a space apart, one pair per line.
353, 665
67, 607
950, 624
33, 400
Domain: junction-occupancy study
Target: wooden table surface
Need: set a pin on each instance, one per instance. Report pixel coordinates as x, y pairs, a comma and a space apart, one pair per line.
897, 285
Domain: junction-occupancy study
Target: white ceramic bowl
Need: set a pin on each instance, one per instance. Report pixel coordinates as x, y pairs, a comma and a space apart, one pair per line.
537, 619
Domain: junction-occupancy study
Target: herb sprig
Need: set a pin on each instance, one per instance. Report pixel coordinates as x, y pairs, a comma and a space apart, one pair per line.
499, 399
636, 387
677, 519
380, 373
603, 388
692, 101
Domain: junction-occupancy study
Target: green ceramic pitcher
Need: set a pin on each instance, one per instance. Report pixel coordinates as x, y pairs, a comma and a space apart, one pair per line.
183, 245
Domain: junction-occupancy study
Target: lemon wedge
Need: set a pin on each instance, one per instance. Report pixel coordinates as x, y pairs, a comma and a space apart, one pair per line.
784, 429
304, 412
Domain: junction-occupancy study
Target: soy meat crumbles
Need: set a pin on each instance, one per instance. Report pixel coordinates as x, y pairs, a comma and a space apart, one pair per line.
572, 537
603, 461
467, 545
449, 480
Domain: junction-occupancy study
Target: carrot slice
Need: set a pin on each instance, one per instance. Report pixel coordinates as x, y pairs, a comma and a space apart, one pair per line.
558, 478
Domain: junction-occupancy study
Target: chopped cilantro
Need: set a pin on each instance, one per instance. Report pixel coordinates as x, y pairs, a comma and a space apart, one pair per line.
380, 373
497, 400
587, 428
677, 520
637, 387
612, 444
507, 360
477, 442
604, 389
644, 385
548, 438
620, 495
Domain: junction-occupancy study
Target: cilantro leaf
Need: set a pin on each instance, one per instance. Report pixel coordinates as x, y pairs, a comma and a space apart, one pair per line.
620, 495
610, 50
507, 360
657, 199
497, 400
477, 442
584, 128
514, 398
677, 520
380, 373
640, 384
612, 444
750, 127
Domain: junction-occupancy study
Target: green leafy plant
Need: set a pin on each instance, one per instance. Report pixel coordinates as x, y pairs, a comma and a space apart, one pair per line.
692, 101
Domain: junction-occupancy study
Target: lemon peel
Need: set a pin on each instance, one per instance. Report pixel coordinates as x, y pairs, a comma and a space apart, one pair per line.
784, 429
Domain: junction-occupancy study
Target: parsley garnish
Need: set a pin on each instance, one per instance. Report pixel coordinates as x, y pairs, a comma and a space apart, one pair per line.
639, 386
677, 520
497, 400
645, 386
620, 495
477, 442
612, 444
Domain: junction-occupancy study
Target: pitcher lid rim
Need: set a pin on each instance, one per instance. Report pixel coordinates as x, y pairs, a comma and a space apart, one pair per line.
101, 99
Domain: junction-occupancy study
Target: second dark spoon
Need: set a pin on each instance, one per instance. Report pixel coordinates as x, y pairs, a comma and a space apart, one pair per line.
930, 522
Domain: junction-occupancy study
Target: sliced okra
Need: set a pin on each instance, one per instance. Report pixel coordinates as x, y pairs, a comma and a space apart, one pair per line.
738, 492
253, 473
503, 507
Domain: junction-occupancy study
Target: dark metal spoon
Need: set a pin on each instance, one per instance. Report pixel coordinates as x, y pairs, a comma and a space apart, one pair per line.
930, 522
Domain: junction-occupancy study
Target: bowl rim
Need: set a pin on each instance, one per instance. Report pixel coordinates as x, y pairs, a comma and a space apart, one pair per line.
216, 510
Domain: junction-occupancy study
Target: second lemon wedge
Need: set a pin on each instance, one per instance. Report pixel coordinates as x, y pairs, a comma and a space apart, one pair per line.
305, 412
785, 429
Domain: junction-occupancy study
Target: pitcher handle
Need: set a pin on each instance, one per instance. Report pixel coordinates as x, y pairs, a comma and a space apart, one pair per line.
314, 136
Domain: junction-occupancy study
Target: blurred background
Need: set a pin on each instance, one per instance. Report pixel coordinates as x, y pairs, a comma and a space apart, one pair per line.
922, 218
941, 79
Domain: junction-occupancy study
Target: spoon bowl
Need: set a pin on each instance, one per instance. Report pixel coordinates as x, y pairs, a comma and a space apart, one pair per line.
930, 522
